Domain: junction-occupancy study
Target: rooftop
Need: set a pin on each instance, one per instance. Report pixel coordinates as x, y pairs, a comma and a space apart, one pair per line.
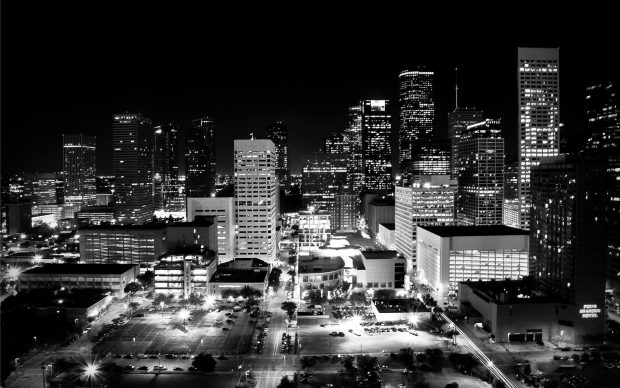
310, 265
487, 230
379, 255
388, 225
116, 269
224, 275
510, 292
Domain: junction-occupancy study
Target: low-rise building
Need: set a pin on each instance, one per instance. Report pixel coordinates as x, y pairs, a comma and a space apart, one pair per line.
320, 272
385, 236
97, 276
221, 208
314, 228
184, 272
225, 278
448, 255
96, 215
380, 270
380, 210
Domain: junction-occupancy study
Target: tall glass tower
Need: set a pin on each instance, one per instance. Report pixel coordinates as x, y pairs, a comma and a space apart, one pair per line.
539, 116
278, 134
377, 145
200, 158
166, 188
132, 162
79, 169
417, 114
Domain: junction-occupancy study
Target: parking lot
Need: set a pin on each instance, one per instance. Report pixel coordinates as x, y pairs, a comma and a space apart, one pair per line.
156, 333
315, 339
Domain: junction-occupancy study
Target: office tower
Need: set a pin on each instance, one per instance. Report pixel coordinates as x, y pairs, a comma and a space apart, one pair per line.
417, 113
200, 158
380, 211
79, 169
223, 209
480, 174
256, 198
344, 213
323, 176
539, 116
567, 234
603, 127
432, 158
353, 134
430, 201
16, 218
47, 188
377, 145
458, 120
278, 134
511, 179
132, 162
166, 168
337, 143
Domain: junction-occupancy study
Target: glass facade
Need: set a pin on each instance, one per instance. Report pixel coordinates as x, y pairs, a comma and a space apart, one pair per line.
483, 265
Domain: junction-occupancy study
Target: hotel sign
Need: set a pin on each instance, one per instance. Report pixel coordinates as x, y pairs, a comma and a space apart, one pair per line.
589, 311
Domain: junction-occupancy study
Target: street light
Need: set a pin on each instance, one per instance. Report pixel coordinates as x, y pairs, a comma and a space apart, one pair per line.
90, 370
184, 314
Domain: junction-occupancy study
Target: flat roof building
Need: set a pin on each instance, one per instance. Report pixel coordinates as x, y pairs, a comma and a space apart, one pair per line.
448, 255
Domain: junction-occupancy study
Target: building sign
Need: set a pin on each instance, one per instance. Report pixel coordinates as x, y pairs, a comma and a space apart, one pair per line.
590, 311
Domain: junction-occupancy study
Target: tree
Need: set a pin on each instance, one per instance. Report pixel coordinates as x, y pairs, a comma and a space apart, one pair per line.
274, 278
196, 300
499, 384
358, 299
383, 294
132, 288
347, 363
292, 260
286, 383
249, 292
290, 308
228, 292
147, 278
367, 363
204, 362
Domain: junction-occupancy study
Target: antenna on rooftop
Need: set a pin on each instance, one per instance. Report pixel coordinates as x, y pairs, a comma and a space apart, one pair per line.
456, 87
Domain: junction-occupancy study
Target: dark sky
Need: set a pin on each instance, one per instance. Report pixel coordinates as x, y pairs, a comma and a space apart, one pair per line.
66, 68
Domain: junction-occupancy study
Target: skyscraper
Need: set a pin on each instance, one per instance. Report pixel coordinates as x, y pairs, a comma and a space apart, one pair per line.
47, 188
603, 126
353, 135
417, 114
430, 201
458, 120
480, 167
166, 187
200, 158
539, 116
256, 198
567, 236
132, 162
377, 145
79, 169
323, 175
432, 158
337, 143
278, 134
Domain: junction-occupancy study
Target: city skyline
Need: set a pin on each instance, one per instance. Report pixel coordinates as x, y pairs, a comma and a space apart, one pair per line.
309, 96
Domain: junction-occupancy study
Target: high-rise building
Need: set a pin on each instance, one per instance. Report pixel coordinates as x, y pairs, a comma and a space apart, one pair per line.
603, 126
417, 114
200, 158
432, 158
337, 143
323, 176
256, 198
79, 169
377, 145
278, 134
166, 185
480, 169
431, 201
47, 188
222, 208
567, 236
132, 162
344, 213
458, 120
539, 116
353, 134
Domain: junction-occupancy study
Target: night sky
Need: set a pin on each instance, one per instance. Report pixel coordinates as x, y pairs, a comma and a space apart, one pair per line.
67, 69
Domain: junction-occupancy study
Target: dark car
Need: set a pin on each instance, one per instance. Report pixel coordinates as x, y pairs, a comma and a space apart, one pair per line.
143, 368
178, 368
230, 321
333, 334
140, 315
129, 367
222, 357
171, 356
340, 334
153, 357
118, 356
225, 329
192, 369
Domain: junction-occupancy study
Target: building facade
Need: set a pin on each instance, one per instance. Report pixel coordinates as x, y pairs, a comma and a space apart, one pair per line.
222, 208
538, 72
166, 186
417, 114
380, 210
79, 169
448, 255
458, 121
132, 162
200, 166
430, 202
47, 188
278, 134
256, 199
480, 172
344, 213
377, 145
183, 274
323, 176
353, 134
314, 228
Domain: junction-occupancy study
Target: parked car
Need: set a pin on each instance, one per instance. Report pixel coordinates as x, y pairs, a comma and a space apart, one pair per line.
178, 368
143, 368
